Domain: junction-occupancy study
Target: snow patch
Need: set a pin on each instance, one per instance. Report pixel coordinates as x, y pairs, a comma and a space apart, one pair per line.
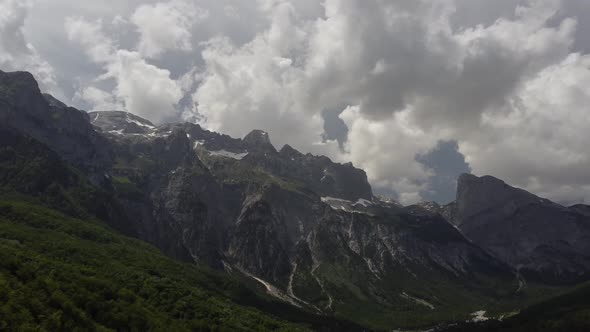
198, 143
141, 124
328, 199
479, 316
227, 154
346, 205
160, 134
337, 203
363, 202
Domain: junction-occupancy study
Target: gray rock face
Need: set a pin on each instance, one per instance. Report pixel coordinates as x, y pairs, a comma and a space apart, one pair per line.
258, 140
120, 122
64, 129
291, 220
542, 238
480, 195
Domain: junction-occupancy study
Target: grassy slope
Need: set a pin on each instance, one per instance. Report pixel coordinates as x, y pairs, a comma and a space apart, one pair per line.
60, 273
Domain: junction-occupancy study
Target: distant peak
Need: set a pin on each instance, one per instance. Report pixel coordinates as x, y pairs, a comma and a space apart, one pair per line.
477, 194
258, 134
121, 121
290, 151
258, 139
467, 176
21, 83
487, 181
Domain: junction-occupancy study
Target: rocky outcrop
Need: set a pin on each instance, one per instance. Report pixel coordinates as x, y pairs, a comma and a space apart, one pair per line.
258, 140
64, 129
541, 238
290, 220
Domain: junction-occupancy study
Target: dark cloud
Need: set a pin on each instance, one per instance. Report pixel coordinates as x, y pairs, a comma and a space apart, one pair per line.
447, 163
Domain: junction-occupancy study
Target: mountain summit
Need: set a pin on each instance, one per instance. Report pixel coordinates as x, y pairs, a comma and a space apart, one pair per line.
543, 239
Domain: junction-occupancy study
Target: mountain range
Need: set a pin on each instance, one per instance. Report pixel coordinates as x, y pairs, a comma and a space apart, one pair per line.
292, 230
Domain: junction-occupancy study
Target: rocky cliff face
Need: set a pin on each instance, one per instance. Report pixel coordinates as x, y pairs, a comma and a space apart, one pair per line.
541, 238
63, 129
307, 229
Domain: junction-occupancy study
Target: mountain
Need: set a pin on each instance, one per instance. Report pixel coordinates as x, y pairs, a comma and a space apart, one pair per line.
307, 229
298, 228
65, 130
63, 266
544, 240
59, 273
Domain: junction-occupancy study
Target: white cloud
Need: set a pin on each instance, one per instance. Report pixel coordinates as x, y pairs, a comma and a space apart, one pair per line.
501, 78
257, 85
540, 142
15, 52
146, 90
411, 76
166, 26
141, 88
99, 99
386, 150
99, 47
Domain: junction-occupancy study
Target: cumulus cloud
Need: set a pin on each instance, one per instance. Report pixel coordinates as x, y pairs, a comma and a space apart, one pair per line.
16, 53
503, 79
386, 150
410, 75
540, 142
99, 99
257, 85
140, 88
166, 26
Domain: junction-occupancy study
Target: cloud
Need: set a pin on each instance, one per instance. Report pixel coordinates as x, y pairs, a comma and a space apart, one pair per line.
446, 163
539, 142
166, 26
15, 52
99, 100
386, 150
392, 79
411, 75
257, 85
99, 47
140, 88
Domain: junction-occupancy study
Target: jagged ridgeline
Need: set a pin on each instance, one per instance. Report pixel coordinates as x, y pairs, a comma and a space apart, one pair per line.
294, 238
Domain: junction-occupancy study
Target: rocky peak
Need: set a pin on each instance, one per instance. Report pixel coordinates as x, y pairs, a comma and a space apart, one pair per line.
431, 206
19, 82
289, 152
258, 140
478, 194
65, 130
122, 122
20, 91
541, 238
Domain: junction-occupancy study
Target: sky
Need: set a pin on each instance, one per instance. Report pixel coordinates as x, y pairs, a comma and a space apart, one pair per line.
415, 92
